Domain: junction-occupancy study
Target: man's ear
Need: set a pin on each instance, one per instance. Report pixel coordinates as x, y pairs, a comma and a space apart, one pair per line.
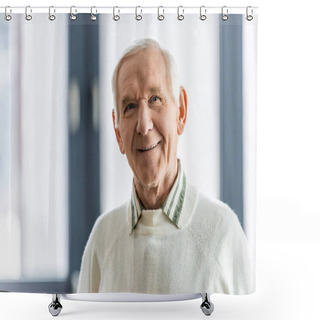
182, 111
117, 132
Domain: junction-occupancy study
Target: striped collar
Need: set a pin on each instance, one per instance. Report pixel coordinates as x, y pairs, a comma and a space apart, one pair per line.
172, 206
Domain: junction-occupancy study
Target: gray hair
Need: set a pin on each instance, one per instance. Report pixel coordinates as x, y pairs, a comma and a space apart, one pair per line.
136, 47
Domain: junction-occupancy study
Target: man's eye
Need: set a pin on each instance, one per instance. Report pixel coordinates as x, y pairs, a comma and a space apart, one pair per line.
154, 99
129, 107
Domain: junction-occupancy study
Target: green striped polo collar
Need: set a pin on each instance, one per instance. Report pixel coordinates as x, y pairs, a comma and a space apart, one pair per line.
172, 206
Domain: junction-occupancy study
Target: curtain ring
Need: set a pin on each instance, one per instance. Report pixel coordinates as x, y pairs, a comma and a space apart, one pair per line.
203, 13
138, 16
28, 15
180, 13
93, 16
116, 17
249, 16
52, 16
160, 16
224, 13
8, 17
73, 15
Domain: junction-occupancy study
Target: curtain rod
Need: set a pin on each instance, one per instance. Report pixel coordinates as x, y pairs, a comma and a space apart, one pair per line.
127, 10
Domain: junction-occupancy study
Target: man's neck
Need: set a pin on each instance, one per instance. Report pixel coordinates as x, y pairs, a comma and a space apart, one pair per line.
153, 197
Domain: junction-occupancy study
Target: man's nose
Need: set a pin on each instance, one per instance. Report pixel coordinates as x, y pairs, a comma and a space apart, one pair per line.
145, 123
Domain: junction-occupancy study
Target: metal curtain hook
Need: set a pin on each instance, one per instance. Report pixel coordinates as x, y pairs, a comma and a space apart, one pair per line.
73, 13
8, 17
27, 12
203, 13
160, 16
138, 16
249, 16
93, 16
116, 17
224, 13
51, 15
180, 13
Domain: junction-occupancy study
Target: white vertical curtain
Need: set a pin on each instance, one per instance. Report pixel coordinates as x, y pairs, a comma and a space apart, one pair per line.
36, 230
250, 127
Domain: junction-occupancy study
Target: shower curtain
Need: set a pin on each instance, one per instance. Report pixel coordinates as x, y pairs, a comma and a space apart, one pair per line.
70, 203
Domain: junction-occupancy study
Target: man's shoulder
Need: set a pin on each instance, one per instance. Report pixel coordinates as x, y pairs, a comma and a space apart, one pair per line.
109, 219
213, 212
214, 205
214, 227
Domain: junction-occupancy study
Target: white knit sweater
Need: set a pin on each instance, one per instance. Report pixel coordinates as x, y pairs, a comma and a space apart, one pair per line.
208, 253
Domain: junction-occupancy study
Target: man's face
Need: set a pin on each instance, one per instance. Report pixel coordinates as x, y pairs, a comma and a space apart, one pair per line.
149, 121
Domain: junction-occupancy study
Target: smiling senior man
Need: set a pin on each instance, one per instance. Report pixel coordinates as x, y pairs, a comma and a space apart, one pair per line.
168, 239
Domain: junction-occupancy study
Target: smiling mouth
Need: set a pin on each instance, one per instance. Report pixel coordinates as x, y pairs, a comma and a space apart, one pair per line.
149, 148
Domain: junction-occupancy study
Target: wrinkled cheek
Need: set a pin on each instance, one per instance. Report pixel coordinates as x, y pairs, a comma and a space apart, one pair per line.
126, 140
172, 149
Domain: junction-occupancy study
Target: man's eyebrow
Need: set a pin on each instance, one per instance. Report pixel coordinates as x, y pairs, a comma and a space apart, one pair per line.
125, 100
155, 90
